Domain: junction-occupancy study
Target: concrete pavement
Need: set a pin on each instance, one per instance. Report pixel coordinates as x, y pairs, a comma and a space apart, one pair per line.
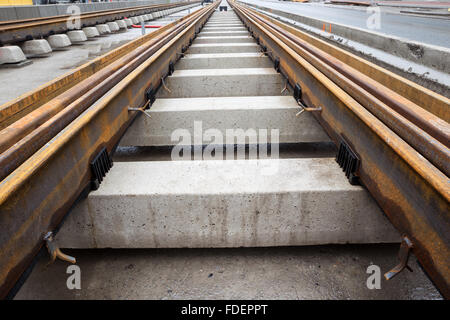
401, 45
293, 273
405, 26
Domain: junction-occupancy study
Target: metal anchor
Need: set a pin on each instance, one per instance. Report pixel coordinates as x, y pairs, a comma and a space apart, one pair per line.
403, 255
142, 109
304, 108
266, 52
164, 85
285, 86
54, 251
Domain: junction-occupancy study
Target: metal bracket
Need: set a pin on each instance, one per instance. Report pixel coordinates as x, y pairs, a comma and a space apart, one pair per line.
348, 161
171, 68
150, 96
298, 92
276, 64
54, 251
100, 165
403, 255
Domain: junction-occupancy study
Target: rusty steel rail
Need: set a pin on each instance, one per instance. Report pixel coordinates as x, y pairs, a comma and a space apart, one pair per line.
22, 138
393, 131
35, 196
424, 131
26, 103
423, 97
27, 29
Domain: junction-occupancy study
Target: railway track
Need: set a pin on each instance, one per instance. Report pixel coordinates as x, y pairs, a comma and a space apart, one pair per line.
20, 30
268, 83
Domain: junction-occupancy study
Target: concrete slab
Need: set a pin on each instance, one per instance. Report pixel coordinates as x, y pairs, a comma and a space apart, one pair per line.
222, 114
11, 54
221, 19
224, 29
207, 204
223, 60
223, 39
77, 36
229, 17
91, 32
113, 26
135, 20
237, 22
224, 33
122, 24
223, 25
103, 29
128, 22
59, 41
223, 83
223, 48
36, 48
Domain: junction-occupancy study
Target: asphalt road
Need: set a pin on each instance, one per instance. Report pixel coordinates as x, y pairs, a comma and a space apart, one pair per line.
434, 31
